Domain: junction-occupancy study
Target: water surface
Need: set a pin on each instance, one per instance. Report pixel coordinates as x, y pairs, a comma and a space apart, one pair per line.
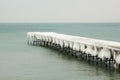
19, 61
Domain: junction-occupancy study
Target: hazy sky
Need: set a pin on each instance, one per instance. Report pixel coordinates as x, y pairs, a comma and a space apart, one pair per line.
59, 10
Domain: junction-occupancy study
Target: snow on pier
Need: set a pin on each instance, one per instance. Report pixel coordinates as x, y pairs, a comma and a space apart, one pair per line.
98, 51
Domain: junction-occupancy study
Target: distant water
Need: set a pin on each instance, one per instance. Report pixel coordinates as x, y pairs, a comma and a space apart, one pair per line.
19, 61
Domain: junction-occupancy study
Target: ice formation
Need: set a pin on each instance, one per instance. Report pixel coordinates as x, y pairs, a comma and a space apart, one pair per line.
100, 48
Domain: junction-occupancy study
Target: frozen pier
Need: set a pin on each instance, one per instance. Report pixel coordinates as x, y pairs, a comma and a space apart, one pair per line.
93, 50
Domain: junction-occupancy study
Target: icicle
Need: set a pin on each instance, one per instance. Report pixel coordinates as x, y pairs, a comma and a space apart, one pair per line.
66, 43
104, 53
89, 49
61, 43
71, 44
95, 52
76, 46
82, 47
118, 59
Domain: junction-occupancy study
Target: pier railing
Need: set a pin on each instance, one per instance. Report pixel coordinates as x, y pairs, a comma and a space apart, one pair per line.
98, 51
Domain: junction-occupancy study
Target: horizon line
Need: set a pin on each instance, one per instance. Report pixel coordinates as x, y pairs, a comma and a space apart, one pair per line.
59, 22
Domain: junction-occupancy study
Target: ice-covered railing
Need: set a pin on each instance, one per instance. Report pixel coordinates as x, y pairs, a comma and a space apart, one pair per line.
102, 49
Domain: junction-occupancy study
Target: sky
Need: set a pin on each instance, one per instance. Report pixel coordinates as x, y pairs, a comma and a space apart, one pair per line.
60, 11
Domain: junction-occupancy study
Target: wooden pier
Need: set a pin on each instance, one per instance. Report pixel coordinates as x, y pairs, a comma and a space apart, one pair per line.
93, 50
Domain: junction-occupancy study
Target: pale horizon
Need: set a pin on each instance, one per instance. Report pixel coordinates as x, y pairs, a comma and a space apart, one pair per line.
59, 11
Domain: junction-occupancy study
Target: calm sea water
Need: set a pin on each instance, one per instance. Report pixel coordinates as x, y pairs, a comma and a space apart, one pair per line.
19, 61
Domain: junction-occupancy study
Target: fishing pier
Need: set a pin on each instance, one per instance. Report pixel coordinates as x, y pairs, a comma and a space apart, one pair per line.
93, 50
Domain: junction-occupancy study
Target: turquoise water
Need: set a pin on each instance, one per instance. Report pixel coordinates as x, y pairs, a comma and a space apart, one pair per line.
19, 61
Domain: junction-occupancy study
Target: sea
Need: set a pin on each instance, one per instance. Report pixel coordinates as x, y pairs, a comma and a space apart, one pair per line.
20, 61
